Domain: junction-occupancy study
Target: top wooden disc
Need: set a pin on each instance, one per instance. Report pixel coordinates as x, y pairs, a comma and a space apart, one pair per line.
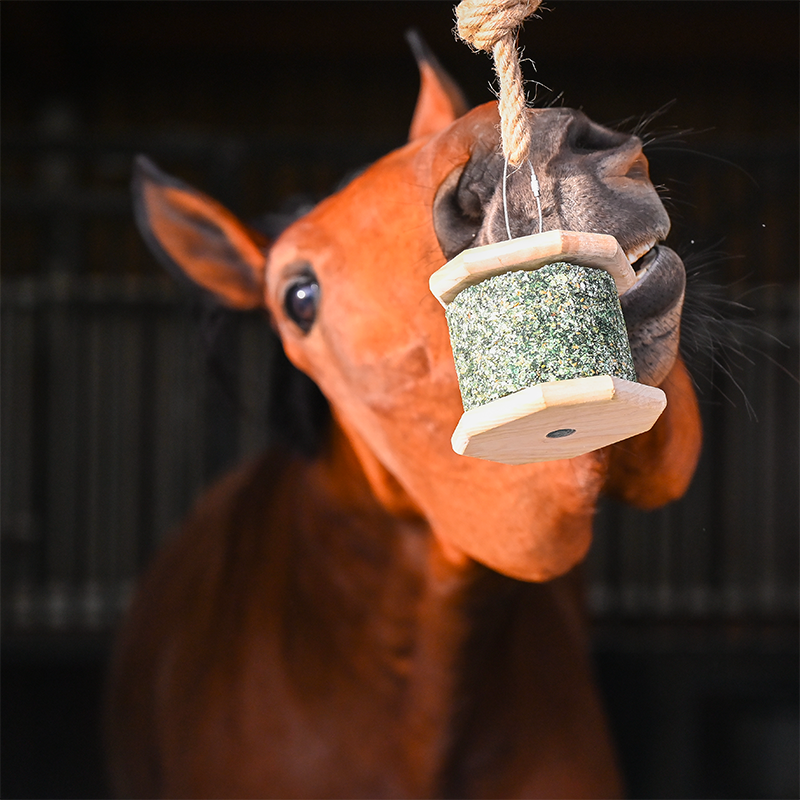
469, 267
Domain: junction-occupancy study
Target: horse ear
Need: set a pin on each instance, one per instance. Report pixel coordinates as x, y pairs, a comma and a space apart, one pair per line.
440, 100
195, 237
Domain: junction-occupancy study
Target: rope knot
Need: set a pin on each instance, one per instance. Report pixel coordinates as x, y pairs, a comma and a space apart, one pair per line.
483, 23
491, 25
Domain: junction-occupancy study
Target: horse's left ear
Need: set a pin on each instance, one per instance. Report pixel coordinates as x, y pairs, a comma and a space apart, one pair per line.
440, 101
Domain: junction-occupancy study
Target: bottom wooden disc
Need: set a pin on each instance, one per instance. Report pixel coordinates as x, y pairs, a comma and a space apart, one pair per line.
560, 419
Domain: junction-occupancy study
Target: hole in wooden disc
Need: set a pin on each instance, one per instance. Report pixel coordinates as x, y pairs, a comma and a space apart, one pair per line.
561, 433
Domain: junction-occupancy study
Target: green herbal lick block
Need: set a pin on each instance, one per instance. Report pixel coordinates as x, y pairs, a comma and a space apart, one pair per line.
521, 328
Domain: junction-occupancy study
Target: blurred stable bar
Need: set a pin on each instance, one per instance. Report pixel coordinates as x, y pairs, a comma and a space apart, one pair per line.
110, 423
109, 417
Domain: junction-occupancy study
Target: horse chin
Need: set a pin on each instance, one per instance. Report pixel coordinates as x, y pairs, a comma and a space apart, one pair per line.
504, 517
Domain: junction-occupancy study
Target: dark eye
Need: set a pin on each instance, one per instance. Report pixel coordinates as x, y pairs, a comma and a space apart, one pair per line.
301, 301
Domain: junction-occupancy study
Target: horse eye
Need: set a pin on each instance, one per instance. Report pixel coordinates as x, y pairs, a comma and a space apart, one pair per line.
301, 301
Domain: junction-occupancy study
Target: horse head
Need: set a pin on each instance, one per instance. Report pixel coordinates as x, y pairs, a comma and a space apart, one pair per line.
346, 288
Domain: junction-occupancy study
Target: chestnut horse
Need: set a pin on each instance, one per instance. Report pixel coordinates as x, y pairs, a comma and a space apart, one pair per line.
387, 618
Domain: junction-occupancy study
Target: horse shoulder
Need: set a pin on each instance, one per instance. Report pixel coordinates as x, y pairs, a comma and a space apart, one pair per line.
199, 588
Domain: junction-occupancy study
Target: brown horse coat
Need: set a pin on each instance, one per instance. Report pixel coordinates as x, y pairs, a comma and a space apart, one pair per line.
389, 619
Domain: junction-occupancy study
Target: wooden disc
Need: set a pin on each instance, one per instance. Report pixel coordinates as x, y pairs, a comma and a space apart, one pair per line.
560, 419
469, 267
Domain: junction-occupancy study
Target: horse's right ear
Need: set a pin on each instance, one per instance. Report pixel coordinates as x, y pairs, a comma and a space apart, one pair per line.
440, 102
195, 237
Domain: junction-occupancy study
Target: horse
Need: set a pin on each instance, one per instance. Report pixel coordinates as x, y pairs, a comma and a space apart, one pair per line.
383, 617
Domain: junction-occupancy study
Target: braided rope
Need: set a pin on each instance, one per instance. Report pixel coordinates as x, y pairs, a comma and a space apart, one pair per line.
491, 26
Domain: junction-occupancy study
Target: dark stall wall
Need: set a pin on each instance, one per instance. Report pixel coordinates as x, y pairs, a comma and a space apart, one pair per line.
341, 68
336, 74
243, 66
110, 424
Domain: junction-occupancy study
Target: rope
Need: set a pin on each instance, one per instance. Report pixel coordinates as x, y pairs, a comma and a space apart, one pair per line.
491, 26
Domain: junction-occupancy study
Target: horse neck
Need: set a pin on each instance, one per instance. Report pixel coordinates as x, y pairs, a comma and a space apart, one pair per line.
380, 598
376, 603
376, 548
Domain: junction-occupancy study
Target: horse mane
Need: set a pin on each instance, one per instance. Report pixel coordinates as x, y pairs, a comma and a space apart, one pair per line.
297, 414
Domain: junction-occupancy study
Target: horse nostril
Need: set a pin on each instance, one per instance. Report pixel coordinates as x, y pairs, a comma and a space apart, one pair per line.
587, 137
638, 169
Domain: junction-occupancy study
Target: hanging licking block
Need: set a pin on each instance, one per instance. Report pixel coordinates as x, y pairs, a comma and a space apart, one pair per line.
522, 328
540, 348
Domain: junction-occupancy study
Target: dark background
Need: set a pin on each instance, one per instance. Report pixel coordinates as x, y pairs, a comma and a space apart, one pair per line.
110, 425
